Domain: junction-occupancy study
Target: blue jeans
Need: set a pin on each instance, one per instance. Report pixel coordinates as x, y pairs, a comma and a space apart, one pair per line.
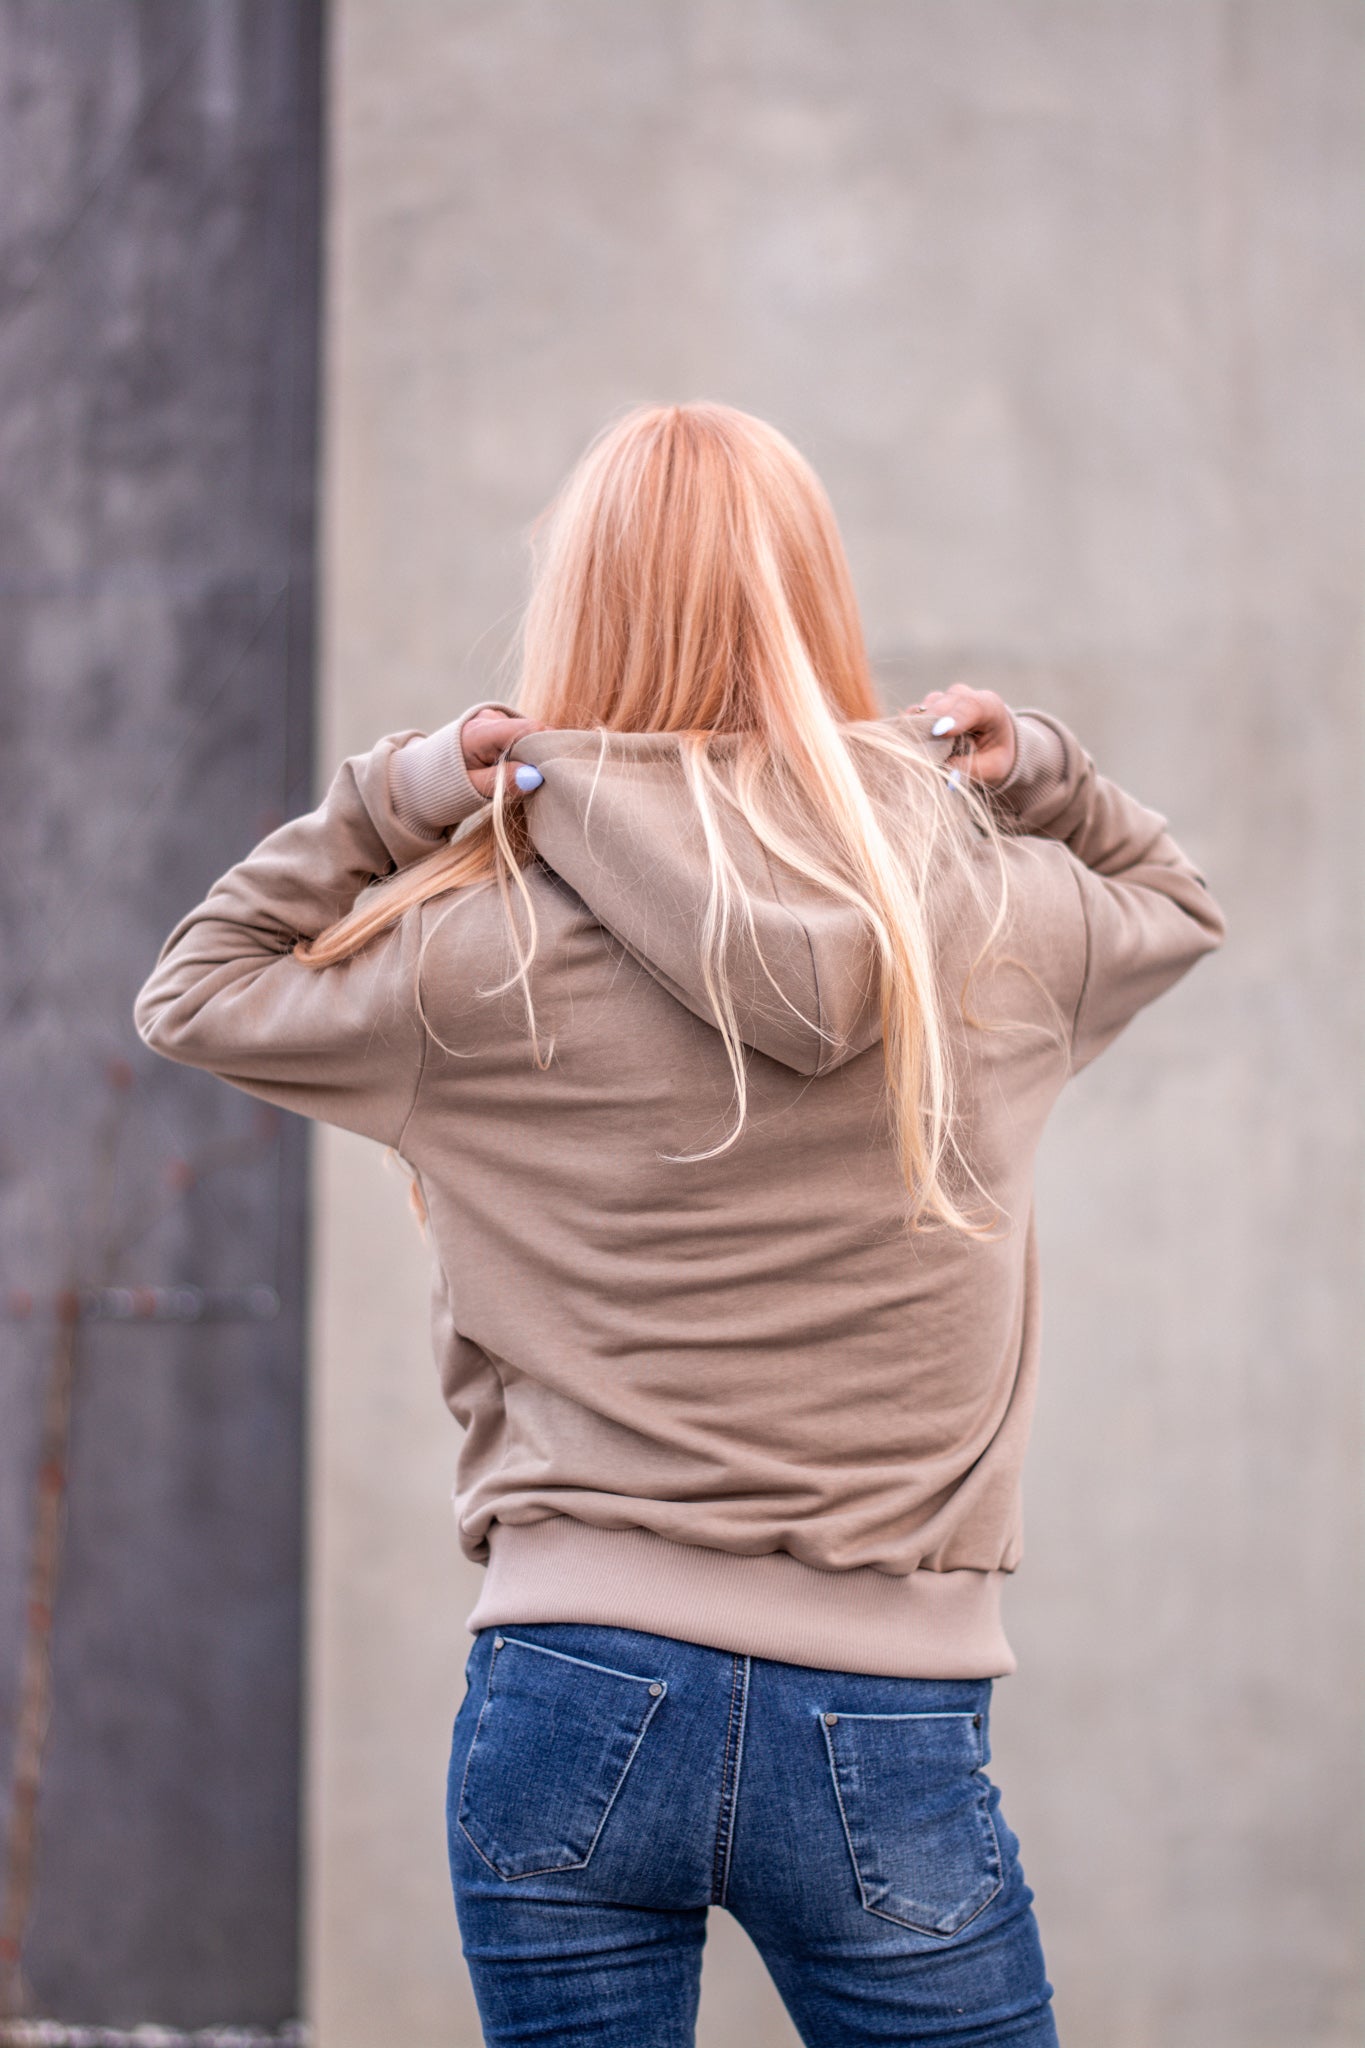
607, 1785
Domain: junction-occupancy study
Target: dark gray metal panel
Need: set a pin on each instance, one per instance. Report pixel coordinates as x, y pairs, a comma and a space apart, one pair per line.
158, 328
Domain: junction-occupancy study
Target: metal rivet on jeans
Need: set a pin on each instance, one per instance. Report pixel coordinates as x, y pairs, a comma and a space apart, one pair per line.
976, 1720
499, 1642
830, 1720
656, 1690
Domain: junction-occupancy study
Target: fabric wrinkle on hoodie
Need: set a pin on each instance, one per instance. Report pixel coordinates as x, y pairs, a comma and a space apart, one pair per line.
730, 1399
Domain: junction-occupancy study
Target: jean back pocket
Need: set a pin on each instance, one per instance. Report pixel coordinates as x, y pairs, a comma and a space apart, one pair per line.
915, 1806
554, 1740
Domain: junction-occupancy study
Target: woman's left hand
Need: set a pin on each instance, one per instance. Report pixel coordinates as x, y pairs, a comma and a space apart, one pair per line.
980, 719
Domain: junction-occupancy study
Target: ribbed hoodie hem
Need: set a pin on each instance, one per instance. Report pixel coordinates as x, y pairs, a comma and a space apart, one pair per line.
923, 1624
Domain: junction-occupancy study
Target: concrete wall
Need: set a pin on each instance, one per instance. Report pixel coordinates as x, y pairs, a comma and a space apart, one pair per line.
1064, 299
158, 339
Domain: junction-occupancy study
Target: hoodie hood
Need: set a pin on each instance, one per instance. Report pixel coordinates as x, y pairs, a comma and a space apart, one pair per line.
615, 820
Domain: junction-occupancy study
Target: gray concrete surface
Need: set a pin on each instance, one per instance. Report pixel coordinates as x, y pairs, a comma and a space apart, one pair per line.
157, 350
1064, 298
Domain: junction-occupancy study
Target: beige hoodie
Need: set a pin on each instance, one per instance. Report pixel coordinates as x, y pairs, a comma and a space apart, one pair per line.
728, 1400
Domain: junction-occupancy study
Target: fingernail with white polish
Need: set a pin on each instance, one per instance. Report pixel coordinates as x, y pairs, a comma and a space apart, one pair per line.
527, 777
955, 779
942, 725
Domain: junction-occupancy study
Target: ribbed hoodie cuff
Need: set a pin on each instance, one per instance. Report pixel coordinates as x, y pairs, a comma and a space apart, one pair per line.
428, 780
1032, 790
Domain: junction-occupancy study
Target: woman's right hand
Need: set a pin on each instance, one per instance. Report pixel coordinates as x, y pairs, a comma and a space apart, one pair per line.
485, 738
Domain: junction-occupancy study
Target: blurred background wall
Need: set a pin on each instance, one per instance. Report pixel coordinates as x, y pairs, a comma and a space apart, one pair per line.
158, 350
1064, 299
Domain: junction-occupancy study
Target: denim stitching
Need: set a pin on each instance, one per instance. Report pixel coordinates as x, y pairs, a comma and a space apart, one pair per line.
644, 1678
734, 1783
931, 1932
839, 1797
724, 1775
720, 1861
551, 1869
951, 1714
469, 1755
743, 1718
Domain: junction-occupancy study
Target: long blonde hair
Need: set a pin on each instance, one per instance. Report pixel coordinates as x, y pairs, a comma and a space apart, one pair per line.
690, 579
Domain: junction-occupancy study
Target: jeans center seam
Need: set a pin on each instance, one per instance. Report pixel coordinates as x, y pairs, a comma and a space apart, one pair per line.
729, 1784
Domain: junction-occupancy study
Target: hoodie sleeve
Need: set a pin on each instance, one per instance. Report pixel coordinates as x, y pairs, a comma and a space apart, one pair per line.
345, 1043
1149, 913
